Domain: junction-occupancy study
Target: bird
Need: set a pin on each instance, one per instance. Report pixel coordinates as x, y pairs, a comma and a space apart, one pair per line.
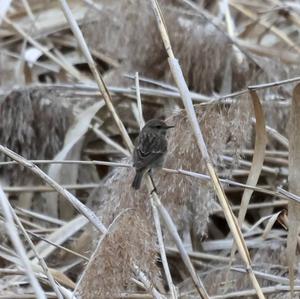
150, 149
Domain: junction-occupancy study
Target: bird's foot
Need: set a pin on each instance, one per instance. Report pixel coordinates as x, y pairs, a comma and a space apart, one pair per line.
153, 190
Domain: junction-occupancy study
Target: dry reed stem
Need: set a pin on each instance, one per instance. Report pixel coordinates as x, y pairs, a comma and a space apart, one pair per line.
59, 236
99, 80
162, 251
231, 32
21, 189
186, 98
80, 162
276, 135
147, 284
29, 11
154, 208
99, 133
60, 247
139, 101
17, 243
199, 255
183, 253
288, 194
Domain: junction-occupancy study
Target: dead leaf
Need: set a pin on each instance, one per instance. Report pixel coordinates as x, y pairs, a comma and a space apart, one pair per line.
257, 161
258, 156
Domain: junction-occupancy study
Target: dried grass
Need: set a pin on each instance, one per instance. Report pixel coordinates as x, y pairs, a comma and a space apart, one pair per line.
123, 38
132, 242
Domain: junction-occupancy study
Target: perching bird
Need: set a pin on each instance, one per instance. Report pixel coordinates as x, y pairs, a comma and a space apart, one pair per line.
150, 149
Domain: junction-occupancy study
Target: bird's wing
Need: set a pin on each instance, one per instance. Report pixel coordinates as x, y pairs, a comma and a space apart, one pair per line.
150, 148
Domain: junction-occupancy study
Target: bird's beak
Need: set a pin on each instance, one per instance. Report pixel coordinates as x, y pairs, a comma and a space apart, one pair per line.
169, 127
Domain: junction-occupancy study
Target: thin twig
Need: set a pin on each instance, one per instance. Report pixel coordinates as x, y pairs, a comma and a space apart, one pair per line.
81, 162
108, 140
20, 189
59, 246
139, 101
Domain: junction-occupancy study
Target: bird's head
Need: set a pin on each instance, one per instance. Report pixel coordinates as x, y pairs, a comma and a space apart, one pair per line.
158, 125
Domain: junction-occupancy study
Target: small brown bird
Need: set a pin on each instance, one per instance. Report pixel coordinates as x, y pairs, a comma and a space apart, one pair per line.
150, 149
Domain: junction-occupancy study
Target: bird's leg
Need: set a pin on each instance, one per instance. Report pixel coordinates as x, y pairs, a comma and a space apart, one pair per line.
152, 181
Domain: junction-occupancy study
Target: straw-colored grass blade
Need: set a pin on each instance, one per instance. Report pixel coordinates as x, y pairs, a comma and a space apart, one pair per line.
294, 186
257, 161
258, 156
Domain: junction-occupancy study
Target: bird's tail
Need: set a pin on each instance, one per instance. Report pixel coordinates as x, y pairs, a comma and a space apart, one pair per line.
136, 184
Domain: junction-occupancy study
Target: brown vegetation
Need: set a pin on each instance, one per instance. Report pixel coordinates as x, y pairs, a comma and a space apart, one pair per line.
50, 109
